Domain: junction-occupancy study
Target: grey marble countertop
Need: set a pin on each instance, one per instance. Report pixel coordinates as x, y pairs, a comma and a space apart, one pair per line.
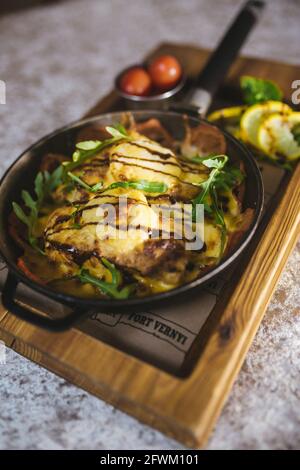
56, 60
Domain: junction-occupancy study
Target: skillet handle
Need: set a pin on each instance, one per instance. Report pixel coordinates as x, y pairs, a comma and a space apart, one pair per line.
217, 66
52, 324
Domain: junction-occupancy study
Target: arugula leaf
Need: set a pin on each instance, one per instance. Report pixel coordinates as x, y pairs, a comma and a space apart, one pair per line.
30, 219
76, 226
121, 129
81, 154
44, 184
108, 288
30, 203
205, 188
225, 179
257, 90
230, 178
88, 148
96, 187
21, 214
52, 181
209, 186
148, 186
38, 186
78, 180
117, 131
115, 273
219, 218
219, 179
88, 145
199, 159
143, 185
217, 163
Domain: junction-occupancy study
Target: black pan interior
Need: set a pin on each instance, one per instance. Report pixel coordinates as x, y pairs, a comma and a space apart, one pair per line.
22, 173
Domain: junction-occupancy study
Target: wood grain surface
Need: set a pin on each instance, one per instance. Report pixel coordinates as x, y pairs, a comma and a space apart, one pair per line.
184, 408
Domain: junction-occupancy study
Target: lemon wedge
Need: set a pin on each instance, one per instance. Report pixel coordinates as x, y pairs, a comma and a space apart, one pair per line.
255, 115
229, 119
227, 113
275, 136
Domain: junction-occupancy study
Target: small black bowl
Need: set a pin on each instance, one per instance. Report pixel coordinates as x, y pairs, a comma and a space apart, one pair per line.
153, 101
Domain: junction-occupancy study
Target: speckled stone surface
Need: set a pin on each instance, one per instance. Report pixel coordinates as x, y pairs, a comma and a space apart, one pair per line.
56, 61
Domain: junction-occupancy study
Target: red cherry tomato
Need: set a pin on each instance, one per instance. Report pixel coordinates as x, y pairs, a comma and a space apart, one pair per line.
136, 81
165, 72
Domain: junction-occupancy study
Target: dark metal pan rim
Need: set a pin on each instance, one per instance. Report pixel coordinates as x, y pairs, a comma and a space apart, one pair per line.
140, 301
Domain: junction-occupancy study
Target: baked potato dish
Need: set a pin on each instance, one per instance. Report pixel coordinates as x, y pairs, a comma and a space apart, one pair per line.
103, 223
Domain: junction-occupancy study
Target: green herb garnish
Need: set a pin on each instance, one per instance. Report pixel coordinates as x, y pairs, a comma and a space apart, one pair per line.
117, 131
80, 182
88, 148
76, 226
199, 159
232, 177
108, 288
257, 90
219, 217
209, 191
225, 180
217, 164
143, 185
44, 184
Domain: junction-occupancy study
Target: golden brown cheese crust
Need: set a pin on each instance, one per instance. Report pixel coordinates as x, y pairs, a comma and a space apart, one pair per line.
124, 240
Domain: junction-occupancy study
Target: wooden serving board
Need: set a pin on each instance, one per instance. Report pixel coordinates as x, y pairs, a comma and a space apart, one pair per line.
185, 407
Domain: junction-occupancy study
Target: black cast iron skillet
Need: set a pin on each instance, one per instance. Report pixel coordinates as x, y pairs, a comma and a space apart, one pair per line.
21, 175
